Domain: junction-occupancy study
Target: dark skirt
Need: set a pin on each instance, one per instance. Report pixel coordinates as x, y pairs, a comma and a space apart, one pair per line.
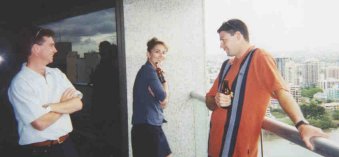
149, 141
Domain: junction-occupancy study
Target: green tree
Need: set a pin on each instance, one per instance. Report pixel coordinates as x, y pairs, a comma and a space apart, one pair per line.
312, 111
309, 92
335, 115
323, 122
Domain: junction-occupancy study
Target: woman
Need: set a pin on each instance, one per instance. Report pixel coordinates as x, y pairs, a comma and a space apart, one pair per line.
150, 97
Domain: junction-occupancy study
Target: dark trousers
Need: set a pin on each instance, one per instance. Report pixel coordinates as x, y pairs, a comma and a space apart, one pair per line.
65, 149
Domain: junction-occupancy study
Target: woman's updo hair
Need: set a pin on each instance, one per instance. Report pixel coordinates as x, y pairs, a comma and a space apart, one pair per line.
153, 42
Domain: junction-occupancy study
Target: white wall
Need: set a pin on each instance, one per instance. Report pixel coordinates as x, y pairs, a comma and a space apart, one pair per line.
180, 23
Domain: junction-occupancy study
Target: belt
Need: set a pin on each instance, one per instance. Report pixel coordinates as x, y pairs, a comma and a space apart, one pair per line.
50, 142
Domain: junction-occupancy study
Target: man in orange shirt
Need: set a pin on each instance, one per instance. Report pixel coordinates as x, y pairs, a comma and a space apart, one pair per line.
253, 77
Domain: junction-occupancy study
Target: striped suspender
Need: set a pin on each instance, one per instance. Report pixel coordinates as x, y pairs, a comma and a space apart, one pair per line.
223, 72
234, 114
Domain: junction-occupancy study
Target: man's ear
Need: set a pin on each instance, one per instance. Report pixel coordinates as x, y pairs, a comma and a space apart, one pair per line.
238, 35
35, 49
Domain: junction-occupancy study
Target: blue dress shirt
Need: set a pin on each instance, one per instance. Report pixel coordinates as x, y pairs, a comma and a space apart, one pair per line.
146, 107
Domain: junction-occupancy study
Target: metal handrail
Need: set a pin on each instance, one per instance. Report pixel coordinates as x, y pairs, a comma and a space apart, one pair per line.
321, 145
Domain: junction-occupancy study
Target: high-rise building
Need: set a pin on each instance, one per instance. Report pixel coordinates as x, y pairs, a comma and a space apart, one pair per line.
299, 76
332, 72
78, 69
311, 73
81, 71
281, 65
72, 58
86, 66
296, 93
289, 70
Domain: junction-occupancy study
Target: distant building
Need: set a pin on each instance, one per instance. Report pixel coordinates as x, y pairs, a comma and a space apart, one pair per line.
311, 73
291, 72
328, 83
332, 72
86, 66
329, 94
320, 96
331, 106
296, 93
82, 73
274, 104
333, 93
72, 58
78, 69
299, 77
281, 65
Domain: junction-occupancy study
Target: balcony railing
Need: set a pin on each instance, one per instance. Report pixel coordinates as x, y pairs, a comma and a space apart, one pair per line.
321, 145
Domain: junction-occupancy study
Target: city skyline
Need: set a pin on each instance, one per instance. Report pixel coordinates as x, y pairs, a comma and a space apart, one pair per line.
310, 74
85, 32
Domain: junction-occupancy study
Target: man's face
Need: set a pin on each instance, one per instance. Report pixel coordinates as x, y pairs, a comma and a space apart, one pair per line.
46, 50
228, 42
157, 54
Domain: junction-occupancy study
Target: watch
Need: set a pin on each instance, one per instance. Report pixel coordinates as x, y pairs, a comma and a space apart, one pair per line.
47, 107
301, 122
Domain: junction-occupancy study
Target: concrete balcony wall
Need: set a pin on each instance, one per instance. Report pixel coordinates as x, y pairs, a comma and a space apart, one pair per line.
180, 24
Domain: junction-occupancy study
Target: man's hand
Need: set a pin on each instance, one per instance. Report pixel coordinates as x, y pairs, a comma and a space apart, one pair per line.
222, 100
307, 132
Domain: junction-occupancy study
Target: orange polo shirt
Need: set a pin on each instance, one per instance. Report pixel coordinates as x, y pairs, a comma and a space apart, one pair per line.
262, 80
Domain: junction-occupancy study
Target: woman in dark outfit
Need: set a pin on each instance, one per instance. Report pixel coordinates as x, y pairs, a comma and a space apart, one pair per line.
150, 97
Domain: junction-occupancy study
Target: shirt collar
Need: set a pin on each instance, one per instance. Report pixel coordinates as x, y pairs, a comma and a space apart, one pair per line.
25, 68
149, 64
239, 60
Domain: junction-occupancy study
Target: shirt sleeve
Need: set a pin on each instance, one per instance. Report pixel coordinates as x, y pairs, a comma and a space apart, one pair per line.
272, 80
24, 100
68, 84
156, 86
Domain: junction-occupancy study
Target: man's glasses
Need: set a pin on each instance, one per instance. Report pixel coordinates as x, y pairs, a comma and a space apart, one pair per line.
37, 33
36, 36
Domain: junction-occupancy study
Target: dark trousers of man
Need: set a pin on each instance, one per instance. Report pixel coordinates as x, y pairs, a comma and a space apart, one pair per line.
65, 149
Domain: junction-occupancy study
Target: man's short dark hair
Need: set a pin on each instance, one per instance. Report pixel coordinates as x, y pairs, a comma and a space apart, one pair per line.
31, 35
234, 25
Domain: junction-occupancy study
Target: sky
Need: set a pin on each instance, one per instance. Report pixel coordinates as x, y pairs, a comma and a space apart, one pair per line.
283, 27
86, 31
